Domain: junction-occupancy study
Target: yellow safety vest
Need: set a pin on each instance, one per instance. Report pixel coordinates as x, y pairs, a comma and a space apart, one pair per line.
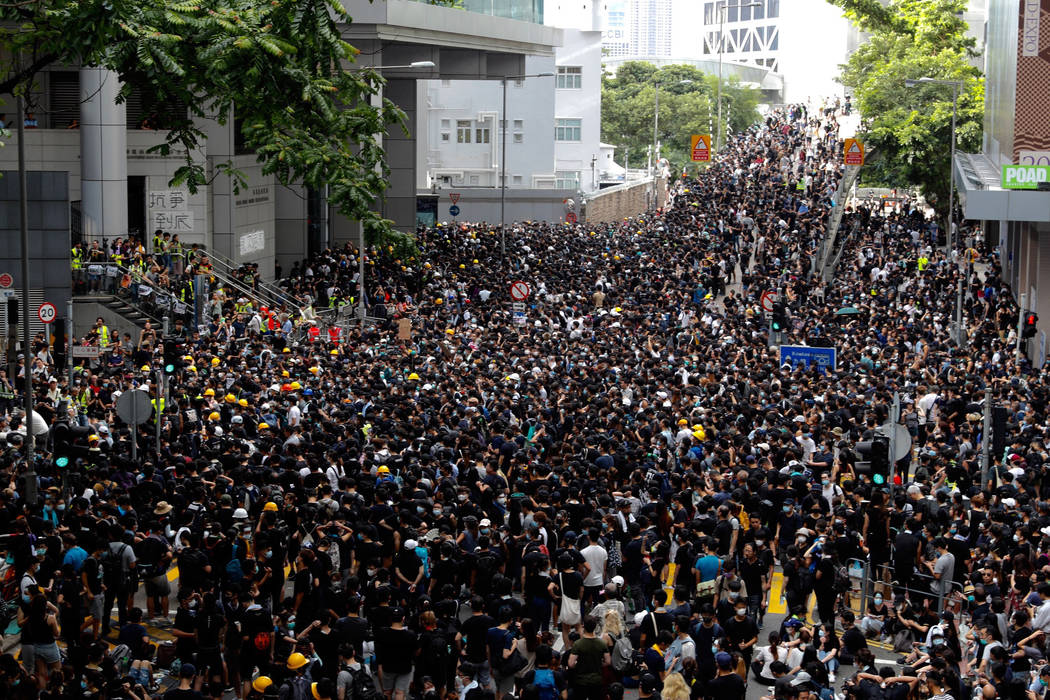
103, 336
76, 259
153, 402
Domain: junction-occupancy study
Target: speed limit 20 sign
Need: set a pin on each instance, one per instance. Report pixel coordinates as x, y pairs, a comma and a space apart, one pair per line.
47, 312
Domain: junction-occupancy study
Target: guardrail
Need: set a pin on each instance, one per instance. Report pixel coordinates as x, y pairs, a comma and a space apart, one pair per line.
142, 294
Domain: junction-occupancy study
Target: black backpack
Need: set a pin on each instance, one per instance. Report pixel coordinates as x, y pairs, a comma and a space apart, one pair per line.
113, 573
364, 686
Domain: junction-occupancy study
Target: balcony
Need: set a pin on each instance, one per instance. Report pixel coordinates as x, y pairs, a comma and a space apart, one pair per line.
522, 10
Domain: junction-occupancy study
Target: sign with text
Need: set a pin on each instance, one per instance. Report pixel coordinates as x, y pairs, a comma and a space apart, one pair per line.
169, 210
795, 355
700, 147
853, 152
1024, 177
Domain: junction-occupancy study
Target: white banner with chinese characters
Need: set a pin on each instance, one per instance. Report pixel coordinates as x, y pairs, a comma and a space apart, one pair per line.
169, 210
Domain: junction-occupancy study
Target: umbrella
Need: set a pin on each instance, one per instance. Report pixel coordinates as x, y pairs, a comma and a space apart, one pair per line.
848, 311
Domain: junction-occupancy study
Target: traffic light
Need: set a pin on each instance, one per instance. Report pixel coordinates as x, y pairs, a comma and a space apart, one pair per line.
1030, 320
779, 322
173, 351
68, 443
873, 459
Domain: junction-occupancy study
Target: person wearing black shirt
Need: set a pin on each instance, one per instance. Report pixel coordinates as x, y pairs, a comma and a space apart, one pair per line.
395, 652
741, 633
852, 638
753, 572
727, 685
474, 631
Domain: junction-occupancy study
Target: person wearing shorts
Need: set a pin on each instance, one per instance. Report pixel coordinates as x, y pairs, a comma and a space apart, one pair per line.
395, 649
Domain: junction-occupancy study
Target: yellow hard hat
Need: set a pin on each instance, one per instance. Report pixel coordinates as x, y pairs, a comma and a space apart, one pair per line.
214, 362
439, 301
683, 421
270, 506
214, 415
383, 470
209, 392
413, 376
315, 369
145, 368
296, 386
191, 368
296, 660
243, 403
263, 426
450, 331
334, 352
462, 266
284, 373
188, 358
475, 261
262, 683
230, 398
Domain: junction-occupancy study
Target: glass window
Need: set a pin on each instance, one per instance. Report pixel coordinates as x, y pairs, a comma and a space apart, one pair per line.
462, 131
745, 13
445, 136
570, 77
709, 13
446, 123
516, 179
758, 12
774, 43
773, 9
474, 179
568, 129
481, 134
519, 123
732, 13
519, 138
567, 179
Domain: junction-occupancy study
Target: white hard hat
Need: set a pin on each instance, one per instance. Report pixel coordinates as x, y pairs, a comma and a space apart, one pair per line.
240, 514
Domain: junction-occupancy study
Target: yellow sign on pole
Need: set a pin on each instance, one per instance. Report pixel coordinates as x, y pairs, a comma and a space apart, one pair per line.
853, 152
700, 147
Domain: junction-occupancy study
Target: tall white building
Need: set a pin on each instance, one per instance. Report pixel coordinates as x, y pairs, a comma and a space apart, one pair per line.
553, 123
637, 27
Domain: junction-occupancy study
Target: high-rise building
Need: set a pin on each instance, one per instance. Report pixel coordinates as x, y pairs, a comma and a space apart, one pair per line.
637, 28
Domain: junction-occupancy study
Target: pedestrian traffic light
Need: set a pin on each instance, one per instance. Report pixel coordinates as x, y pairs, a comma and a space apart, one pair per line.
68, 443
1030, 320
873, 460
779, 321
173, 352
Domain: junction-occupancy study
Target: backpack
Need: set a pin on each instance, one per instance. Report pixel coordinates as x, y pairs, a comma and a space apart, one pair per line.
121, 656
298, 688
547, 689
234, 571
364, 686
113, 574
842, 582
622, 653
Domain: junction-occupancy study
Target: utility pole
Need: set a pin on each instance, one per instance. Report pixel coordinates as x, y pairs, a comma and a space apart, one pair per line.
160, 406
1020, 328
69, 341
895, 416
986, 436
24, 316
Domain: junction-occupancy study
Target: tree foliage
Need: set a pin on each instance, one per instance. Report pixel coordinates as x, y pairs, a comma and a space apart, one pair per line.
629, 97
907, 129
281, 66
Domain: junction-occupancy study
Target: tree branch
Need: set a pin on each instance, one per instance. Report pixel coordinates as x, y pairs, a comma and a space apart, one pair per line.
21, 76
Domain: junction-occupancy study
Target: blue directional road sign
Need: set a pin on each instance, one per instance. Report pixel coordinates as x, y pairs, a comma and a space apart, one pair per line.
795, 355
453, 210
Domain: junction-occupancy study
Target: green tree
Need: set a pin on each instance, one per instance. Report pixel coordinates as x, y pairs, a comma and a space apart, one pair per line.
687, 106
281, 66
908, 130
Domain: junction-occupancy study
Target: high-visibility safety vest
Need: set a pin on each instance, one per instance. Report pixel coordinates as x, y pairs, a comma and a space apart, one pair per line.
103, 336
76, 259
153, 402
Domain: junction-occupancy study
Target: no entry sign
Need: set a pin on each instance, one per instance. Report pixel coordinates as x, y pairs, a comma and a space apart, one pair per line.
519, 291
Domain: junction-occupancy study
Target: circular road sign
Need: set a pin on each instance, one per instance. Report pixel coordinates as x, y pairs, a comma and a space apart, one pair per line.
519, 291
6, 280
47, 312
571, 217
453, 210
134, 407
768, 297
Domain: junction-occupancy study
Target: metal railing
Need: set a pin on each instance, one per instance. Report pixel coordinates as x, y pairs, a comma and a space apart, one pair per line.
264, 293
140, 293
863, 585
828, 241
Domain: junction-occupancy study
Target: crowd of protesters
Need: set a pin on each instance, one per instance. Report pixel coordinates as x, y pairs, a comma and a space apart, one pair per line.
592, 503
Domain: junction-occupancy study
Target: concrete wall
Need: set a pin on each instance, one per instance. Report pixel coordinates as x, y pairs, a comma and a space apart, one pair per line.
49, 247
482, 205
86, 310
617, 203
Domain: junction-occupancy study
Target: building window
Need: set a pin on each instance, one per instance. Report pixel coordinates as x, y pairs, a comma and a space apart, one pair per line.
568, 130
516, 179
445, 136
474, 179
567, 179
519, 124
519, 138
482, 134
773, 9
570, 77
462, 131
446, 123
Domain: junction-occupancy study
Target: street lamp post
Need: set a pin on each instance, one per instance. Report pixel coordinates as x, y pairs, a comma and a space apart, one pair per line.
723, 8
656, 124
362, 307
960, 335
503, 160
